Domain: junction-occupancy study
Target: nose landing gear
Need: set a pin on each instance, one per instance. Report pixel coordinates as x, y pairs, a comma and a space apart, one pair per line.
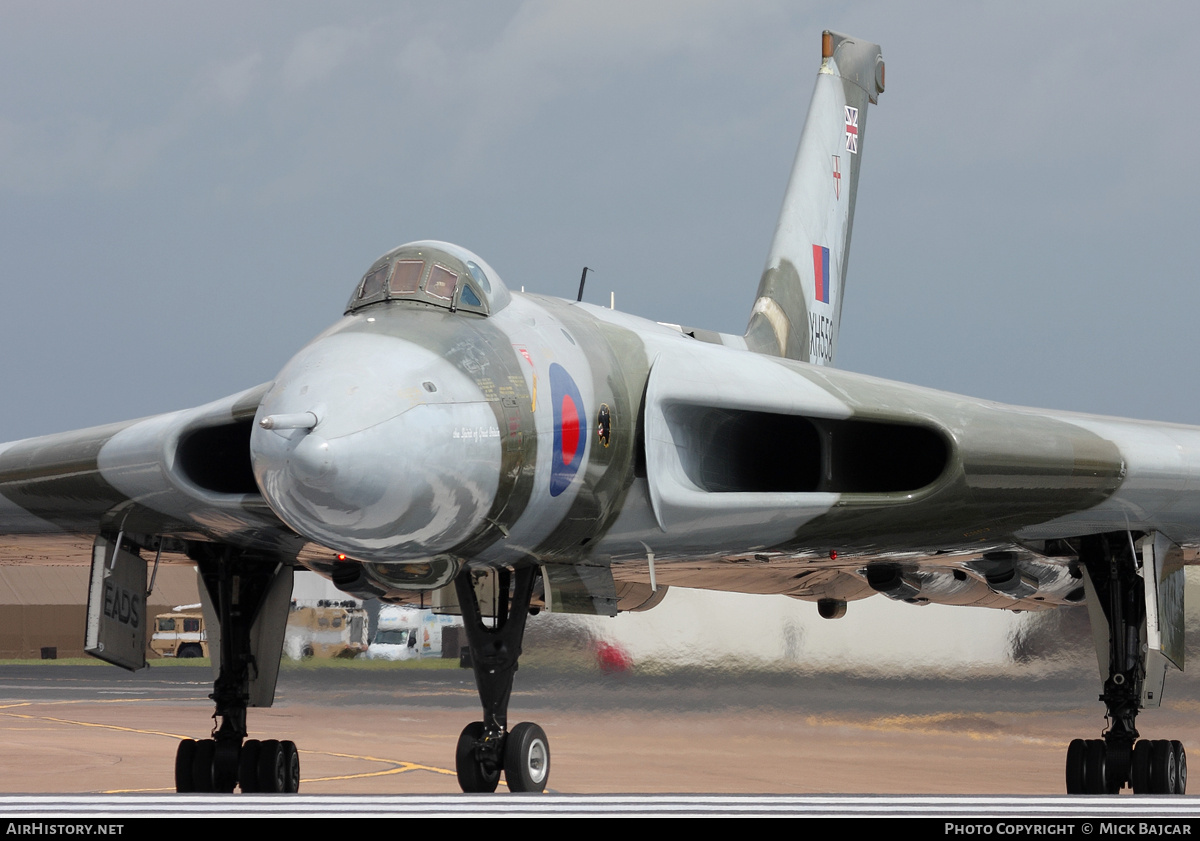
485, 748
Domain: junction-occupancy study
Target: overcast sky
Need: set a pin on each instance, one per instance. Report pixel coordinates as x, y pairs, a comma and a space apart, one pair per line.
189, 192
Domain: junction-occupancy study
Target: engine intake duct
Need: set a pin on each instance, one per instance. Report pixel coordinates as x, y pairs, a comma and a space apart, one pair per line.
217, 458
741, 451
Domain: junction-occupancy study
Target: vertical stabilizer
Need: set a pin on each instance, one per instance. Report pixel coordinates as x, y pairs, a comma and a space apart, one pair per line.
798, 310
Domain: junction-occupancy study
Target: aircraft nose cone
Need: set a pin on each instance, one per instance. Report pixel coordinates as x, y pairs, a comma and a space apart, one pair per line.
312, 462
403, 462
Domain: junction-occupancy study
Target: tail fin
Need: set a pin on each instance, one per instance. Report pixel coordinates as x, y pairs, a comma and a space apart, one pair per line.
798, 310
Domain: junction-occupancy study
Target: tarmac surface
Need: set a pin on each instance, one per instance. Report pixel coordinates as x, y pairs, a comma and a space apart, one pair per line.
97, 729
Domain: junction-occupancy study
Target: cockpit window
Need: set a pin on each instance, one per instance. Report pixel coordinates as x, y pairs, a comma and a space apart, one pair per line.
424, 274
468, 296
373, 283
479, 276
406, 279
441, 283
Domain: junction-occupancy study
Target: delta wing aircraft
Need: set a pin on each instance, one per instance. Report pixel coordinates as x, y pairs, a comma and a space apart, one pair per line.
451, 441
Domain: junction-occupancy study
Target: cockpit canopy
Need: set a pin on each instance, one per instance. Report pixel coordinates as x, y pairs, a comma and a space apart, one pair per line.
432, 273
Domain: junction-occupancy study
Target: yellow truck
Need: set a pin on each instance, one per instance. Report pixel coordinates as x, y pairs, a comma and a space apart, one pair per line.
180, 633
323, 629
326, 629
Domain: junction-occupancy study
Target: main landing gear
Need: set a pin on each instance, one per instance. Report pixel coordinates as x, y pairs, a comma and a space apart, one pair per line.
485, 748
250, 596
1120, 758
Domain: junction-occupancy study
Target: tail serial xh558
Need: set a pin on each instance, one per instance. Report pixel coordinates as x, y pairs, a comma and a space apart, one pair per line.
495, 453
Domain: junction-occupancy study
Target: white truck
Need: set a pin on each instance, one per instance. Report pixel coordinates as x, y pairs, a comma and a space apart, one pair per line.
409, 633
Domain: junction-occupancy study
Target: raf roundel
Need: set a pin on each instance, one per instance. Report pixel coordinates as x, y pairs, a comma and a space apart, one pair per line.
569, 441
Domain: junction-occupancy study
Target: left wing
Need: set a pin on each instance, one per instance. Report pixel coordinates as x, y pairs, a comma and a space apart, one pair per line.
175, 477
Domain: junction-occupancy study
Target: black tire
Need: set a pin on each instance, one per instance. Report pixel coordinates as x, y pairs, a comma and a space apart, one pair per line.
248, 766
1115, 774
1095, 767
291, 767
473, 778
527, 758
1162, 767
1140, 772
1180, 767
184, 755
1075, 753
190, 650
202, 766
225, 766
270, 767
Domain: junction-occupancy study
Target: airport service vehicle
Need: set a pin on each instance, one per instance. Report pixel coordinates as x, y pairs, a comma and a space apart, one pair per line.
326, 629
449, 441
180, 633
408, 633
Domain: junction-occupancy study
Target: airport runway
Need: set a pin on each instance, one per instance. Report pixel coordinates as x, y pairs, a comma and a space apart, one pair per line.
98, 729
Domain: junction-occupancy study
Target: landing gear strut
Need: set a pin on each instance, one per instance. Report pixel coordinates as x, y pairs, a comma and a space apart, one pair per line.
485, 748
244, 590
1106, 765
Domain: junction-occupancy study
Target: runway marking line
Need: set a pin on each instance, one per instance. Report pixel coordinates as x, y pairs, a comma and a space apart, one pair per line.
93, 724
927, 724
399, 766
402, 767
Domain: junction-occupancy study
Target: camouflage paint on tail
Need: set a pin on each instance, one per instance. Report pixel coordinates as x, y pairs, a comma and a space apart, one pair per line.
798, 310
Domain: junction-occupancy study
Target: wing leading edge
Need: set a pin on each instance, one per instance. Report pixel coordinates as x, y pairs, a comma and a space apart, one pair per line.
184, 475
